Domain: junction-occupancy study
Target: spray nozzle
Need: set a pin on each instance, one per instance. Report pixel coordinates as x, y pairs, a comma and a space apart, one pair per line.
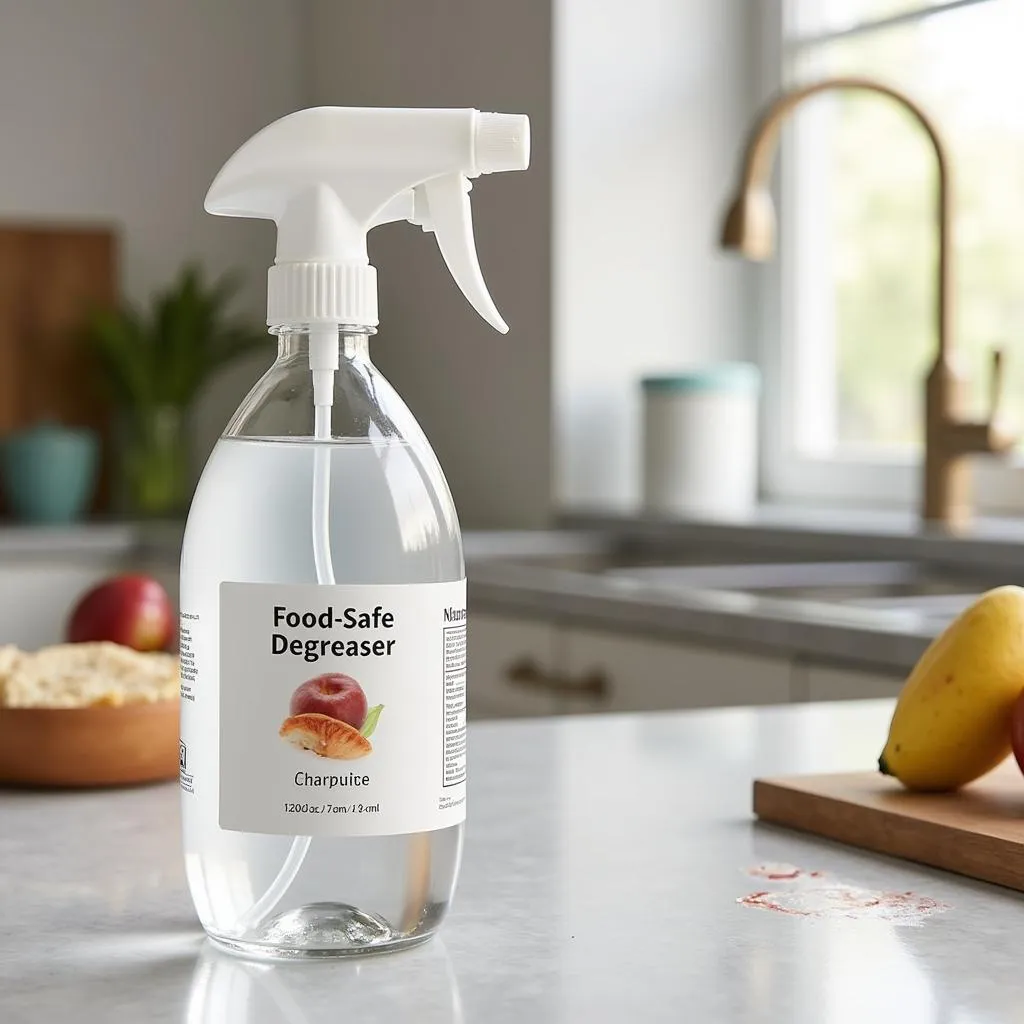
327, 175
441, 205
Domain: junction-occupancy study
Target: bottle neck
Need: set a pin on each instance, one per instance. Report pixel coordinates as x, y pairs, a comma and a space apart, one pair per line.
323, 384
353, 341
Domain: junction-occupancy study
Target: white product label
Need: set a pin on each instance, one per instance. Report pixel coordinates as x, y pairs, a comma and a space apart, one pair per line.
342, 708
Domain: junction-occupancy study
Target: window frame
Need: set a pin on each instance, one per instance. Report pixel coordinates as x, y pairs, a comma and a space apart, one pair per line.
788, 472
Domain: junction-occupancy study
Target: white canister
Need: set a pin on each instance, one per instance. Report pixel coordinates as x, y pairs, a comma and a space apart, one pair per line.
700, 441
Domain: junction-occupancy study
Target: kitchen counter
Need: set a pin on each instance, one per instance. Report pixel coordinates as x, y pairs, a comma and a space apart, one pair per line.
604, 861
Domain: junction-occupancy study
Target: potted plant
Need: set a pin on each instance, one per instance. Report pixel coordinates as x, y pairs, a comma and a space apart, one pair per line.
154, 362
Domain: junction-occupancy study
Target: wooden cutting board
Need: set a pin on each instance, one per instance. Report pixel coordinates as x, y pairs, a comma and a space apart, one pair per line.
978, 831
50, 277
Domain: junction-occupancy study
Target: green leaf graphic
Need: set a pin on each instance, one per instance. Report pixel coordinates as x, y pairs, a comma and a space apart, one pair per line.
371, 720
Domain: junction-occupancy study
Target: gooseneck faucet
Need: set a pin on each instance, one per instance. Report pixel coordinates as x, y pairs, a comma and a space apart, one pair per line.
949, 438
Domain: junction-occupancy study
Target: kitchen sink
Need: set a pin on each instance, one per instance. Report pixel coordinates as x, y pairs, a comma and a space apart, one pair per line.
840, 582
641, 560
934, 592
921, 593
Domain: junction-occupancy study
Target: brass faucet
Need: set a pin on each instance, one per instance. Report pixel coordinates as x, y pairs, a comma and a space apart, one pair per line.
949, 438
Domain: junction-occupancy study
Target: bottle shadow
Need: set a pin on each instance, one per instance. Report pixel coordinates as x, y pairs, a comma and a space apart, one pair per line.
416, 984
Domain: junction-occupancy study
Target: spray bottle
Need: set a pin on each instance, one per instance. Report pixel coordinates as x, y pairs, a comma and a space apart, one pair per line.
323, 600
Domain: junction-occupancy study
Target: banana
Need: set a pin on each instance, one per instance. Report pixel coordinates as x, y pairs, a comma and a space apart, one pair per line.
952, 719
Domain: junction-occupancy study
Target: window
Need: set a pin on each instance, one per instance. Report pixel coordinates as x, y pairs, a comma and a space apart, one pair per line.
851, 311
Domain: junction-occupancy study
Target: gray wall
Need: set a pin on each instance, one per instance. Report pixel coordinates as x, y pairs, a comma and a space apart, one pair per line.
602, 257
482, 398
122, 111
652, 99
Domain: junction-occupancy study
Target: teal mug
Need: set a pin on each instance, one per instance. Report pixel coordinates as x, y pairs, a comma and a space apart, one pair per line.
49, 472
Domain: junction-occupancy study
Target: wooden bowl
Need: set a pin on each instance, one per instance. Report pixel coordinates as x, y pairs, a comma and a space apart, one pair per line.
94, 746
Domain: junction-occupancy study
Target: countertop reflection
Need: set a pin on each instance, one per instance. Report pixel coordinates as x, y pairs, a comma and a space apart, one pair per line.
604, 862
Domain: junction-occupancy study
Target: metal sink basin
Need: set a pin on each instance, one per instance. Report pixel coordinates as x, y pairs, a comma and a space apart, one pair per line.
934, 592
918, 594
599, 556
840, 582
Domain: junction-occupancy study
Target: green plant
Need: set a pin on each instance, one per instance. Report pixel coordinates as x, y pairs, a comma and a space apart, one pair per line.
153, 363
162, 357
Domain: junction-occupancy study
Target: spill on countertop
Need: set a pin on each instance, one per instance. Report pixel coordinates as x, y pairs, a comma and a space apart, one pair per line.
781, 872
807, 895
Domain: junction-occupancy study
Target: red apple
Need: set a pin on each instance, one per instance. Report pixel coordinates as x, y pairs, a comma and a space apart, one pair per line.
335, 695
130, 610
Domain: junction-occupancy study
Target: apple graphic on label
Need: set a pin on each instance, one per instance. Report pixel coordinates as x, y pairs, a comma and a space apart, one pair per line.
335, 695
329, 717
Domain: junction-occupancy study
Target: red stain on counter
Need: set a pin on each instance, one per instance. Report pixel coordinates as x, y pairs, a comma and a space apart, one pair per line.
902, 908
781, 872
805, 895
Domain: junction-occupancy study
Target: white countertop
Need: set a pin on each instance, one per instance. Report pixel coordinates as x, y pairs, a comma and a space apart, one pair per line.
603, 865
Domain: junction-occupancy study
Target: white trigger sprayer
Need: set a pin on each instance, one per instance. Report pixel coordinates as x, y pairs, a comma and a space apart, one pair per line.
326, 176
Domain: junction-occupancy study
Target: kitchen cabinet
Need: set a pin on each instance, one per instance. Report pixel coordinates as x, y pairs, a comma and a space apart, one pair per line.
524, 667
638, 673
506, 655
832, 682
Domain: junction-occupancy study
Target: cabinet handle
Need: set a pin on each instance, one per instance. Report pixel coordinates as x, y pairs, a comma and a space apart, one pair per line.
527, 673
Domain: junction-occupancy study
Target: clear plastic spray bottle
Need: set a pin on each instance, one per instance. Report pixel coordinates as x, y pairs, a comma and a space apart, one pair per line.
323, 602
